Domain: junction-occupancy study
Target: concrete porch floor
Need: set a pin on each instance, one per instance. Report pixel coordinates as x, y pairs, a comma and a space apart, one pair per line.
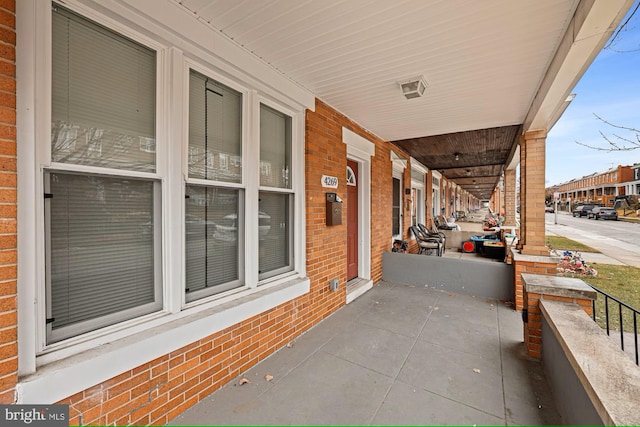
398, 355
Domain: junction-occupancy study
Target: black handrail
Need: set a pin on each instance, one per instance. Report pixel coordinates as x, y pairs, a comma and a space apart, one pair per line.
621, 304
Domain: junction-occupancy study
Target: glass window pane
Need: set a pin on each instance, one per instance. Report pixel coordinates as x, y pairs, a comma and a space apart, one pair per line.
101, 238
215, 130
395, 207
214, 227
275, 148
103, 96
275, 237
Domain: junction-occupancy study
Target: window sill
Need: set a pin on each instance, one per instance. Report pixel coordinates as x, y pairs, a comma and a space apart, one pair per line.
63, 378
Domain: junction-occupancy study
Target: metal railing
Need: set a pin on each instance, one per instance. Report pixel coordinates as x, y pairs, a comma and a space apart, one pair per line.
632, 311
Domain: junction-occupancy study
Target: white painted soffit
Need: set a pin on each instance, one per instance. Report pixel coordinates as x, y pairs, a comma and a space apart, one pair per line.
591, 26
483, 61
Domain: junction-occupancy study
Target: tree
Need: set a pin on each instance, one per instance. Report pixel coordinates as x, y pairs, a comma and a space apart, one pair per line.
630, 141
618, 142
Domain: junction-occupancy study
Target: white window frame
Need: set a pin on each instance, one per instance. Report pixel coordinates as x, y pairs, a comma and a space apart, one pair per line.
420, 186
436, 179
293, 191
50, 373
399, 165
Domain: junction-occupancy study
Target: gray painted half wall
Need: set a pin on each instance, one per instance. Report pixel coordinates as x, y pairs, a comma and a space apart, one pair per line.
462, 276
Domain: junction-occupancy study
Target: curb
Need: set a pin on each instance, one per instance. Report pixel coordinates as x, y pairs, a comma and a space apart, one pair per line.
636, 220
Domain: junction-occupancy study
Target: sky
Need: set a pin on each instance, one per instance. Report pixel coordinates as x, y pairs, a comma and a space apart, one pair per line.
610, 88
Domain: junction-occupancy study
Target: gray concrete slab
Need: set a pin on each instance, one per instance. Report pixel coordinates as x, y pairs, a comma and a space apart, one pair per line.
398, 355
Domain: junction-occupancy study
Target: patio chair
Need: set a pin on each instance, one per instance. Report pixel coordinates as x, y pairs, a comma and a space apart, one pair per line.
433, 232
426, 245
442, 224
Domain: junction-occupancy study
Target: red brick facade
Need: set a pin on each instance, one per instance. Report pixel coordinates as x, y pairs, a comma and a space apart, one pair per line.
8, 204
159, 390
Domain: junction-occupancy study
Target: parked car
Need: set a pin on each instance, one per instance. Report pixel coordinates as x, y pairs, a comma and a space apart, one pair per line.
604, 213
592, 213
227, 228
582, 210
549, 209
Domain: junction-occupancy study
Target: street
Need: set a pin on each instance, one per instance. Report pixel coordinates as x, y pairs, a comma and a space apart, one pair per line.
617, 239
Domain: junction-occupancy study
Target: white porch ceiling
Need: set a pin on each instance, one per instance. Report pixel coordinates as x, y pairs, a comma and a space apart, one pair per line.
483, 60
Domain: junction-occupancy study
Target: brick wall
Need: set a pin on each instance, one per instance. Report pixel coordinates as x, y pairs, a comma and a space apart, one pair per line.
8, 206
157, 391
544, 266
533, 327
510, 197
326, 154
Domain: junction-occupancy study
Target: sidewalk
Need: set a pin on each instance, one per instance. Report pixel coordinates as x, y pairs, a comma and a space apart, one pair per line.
613, 251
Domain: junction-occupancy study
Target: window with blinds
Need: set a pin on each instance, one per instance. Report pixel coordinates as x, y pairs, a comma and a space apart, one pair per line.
102, 229
101, 252
275, 148
274, 222
396, 206
214, 218
103, 96
215, 130
213, 228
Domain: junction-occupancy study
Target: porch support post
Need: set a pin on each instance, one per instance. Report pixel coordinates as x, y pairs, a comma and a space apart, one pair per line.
523, 180
510, 197
532, 174
428, 193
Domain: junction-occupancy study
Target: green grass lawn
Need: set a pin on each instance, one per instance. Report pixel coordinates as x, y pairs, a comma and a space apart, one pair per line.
560, 244
620, 281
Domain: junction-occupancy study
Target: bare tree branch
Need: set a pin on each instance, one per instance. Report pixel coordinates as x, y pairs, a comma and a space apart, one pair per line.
616, 126
623, 143
622, 27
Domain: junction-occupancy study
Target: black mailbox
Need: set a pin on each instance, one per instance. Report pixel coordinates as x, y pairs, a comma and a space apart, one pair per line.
334, 209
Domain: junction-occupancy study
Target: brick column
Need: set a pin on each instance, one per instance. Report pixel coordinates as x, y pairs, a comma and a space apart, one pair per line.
532, 195
564, 289
8, 206
523, 180
510, 197
428, 193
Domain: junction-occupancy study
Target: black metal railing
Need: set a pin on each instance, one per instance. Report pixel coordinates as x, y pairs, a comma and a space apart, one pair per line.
633, 313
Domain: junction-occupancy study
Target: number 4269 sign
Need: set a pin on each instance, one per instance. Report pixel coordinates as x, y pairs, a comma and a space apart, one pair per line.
329, 181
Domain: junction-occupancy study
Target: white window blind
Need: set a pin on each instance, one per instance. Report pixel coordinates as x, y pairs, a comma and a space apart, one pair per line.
103, 96
275, 148
101, 252
275, 216
395, 206
274, 225
215, 130
102, 231
213, 230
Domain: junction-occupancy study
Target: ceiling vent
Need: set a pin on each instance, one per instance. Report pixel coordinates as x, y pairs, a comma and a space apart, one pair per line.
413, 88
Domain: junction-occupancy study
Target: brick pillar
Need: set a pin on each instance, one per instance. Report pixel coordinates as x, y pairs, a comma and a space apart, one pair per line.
428, 193
8, 206
510, 197
532, 193
537, 288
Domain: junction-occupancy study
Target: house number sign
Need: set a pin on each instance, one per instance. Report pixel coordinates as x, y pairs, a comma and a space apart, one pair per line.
329, 181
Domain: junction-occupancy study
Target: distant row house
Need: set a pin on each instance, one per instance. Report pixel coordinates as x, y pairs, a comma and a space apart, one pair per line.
600, 187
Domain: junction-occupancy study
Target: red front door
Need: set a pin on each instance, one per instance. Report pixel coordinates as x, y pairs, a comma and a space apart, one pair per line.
352, 219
